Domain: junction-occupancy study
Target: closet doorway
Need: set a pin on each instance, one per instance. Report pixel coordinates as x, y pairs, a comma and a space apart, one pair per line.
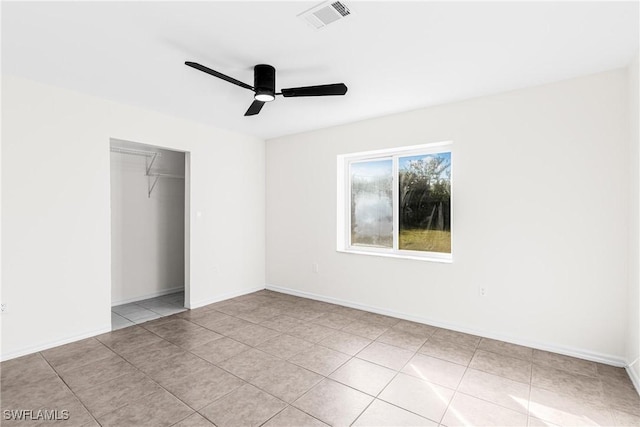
149, 232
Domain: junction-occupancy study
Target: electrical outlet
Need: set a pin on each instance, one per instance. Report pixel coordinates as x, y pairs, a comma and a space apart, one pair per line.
3, 307
482, 291
315, 267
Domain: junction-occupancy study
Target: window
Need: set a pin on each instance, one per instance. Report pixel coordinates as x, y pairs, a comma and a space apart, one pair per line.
396, 202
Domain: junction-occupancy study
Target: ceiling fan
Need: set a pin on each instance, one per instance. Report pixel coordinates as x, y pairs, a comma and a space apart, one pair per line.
264, 86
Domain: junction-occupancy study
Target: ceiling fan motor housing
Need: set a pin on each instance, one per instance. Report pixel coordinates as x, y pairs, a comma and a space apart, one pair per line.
264, 80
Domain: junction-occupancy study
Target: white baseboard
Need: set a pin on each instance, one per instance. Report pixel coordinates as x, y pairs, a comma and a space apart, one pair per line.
67, 340
635, 378
568, 351
222, 297
147, 296
51, 344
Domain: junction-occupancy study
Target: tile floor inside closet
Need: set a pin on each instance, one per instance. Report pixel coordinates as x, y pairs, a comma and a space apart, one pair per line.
138, 312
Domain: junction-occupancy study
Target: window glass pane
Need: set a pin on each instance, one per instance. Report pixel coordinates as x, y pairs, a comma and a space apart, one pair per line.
425, 202
372, 203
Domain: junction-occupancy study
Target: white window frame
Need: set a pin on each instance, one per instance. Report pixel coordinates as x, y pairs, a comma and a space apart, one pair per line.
343, 236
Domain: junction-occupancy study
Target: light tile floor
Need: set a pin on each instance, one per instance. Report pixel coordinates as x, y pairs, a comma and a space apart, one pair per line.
277, 360
139, 312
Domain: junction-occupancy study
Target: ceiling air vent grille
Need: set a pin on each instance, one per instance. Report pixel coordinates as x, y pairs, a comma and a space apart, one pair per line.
340, 8
324, 14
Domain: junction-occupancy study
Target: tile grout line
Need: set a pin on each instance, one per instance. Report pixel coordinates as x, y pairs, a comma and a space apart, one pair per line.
495, 352
69, 388
358, 318
204, 360
285, 360
376, 397
145, 375
341, 329
234, 375
157, 383
325, 377
182, 419
489, 401
459, 382
187, 351
351, 357
137, 303
529, 384
609, 405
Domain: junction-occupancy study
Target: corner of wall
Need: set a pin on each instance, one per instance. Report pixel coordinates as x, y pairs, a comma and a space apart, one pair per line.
633, 326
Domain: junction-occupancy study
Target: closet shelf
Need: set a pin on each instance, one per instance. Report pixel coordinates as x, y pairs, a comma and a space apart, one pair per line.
150, 158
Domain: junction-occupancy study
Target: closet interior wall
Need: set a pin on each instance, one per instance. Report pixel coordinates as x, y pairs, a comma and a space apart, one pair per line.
147, 222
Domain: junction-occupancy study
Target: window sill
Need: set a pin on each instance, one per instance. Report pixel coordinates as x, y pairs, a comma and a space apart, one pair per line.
399, 256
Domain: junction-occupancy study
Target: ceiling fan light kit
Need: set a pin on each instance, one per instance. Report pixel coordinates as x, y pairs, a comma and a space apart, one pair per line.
264, 82
264, 86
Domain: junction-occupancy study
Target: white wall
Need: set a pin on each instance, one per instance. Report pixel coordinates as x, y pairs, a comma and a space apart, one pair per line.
147, 233
56, 277
633, 334
540, 196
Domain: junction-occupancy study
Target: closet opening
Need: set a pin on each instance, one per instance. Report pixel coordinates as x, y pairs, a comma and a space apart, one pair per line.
149, 232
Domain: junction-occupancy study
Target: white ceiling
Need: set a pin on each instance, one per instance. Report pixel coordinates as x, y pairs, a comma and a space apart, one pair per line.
393, 56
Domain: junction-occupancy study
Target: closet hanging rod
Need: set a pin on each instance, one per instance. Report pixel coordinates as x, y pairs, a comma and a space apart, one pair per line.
135, 152
166, 175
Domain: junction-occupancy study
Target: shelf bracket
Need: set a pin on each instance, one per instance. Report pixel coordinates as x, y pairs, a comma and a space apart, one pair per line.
153, 159
155, 181
150, 158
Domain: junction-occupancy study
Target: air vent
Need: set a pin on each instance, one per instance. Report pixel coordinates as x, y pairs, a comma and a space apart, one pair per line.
324, 14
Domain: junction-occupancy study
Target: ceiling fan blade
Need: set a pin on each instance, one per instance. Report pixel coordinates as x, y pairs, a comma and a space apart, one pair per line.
254, 108
322, 90
217, 74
